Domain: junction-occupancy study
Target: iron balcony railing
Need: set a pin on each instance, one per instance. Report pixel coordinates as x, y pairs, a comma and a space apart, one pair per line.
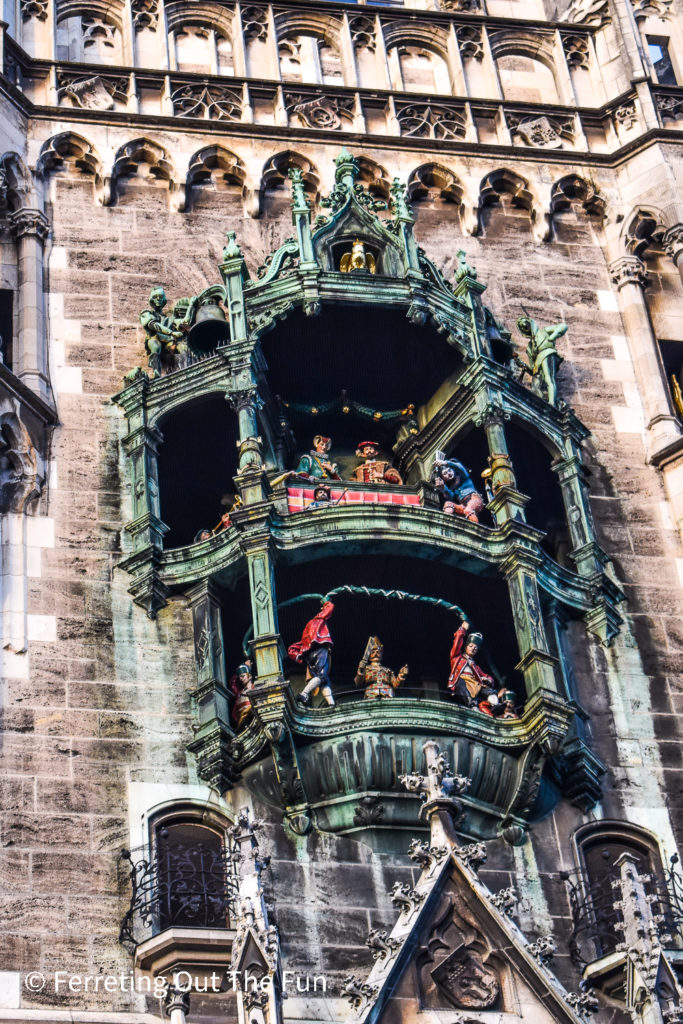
597, 922
192, 886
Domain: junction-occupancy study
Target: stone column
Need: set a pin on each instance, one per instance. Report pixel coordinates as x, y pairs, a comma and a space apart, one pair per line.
31, 228
673, 245
629, 276
507, 502
536, 662
142, 447
213, 743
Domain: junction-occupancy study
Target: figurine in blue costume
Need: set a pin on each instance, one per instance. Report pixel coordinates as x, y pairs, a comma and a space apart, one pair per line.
454, 484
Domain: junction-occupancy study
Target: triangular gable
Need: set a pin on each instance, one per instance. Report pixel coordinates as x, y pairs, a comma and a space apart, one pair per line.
455, 953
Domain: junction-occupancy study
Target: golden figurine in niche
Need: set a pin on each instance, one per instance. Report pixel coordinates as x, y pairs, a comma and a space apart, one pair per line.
358, 259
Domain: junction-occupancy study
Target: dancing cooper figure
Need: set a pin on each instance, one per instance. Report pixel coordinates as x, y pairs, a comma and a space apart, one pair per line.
314, 650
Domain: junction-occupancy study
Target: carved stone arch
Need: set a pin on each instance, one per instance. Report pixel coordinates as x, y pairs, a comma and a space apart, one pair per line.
573, 189
504, 182
276, 169
429, 37
71, 154
434, 181
643, 229
140, 153
217, 165
21, 479
17, 188
310, 23
108, 11
532, 44
101, 28
536, 44
374, 177
206, 15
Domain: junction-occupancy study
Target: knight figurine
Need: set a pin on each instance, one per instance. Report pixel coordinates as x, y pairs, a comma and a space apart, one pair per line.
467, 681
454, 484
373, 470
378, 680
358, 260
316, 465
314, 650
542, 355
164, 336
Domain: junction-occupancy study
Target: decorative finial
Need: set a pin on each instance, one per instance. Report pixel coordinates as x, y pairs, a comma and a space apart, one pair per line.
464, 269
399, 201
347, 170
231, 250
299, 200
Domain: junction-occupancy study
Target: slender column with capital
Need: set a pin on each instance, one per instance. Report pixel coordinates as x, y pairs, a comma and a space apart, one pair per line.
629, 276
537, 664
673, 246
507, 501
31, 228
213, 743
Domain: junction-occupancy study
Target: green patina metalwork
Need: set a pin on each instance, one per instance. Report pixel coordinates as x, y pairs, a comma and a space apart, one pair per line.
304, 760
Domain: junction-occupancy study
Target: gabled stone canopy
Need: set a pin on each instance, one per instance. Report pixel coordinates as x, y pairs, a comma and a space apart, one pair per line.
455, 952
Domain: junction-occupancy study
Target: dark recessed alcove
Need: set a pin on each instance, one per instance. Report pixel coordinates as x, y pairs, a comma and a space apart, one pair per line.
197, 461
375, 353
532, 461
418, 634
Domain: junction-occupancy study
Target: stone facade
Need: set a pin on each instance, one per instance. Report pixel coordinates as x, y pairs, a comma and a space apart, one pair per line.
540, 141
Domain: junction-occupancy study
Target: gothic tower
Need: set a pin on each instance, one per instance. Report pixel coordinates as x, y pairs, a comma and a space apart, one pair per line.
341, 511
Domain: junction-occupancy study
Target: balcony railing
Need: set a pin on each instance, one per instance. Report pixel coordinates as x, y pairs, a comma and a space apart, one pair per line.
597, 920
190, 886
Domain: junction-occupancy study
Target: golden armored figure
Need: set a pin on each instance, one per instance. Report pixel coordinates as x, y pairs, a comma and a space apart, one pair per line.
358, 259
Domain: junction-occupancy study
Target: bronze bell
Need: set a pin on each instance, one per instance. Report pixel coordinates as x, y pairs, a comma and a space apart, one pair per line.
210, 329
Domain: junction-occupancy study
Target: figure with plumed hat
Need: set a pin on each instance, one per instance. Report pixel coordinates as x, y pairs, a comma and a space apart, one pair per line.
468, 682
317, 465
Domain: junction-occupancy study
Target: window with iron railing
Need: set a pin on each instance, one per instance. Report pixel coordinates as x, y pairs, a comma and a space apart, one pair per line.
188, 880
594, 892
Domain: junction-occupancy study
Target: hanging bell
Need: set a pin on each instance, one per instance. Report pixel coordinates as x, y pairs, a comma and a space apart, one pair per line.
210, 329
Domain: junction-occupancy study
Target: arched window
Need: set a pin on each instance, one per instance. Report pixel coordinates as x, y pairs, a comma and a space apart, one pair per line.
526, 79
200, 48
89, 37
417, 69
306, 58
599, 848
195, 881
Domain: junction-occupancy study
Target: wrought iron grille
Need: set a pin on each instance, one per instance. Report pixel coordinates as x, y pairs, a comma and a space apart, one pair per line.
194, 886
597, 924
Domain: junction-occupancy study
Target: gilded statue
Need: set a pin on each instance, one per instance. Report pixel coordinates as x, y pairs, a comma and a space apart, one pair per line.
358, 260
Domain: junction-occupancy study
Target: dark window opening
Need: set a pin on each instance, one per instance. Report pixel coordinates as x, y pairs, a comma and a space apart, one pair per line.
362, 349
672, 360
7, 327
194, 888
531, 462
658, 50
197, 462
